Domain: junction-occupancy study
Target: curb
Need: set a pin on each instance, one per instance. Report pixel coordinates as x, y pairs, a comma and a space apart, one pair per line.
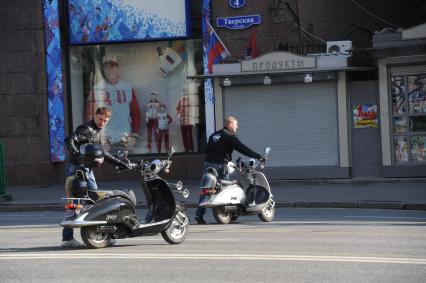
297, 204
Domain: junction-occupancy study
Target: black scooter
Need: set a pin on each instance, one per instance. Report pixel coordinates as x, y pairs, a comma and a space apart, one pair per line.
106, 215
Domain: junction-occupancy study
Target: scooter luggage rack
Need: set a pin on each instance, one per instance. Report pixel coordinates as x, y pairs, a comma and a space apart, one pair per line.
80, 199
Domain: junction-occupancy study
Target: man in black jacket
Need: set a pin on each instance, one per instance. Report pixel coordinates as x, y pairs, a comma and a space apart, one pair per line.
85, 134
219, 150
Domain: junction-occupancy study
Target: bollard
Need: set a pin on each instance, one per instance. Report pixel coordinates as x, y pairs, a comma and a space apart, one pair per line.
3, 195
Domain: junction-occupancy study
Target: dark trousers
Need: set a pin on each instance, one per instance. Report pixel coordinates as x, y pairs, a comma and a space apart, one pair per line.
163, 134
71, 169
151, 126
187, 137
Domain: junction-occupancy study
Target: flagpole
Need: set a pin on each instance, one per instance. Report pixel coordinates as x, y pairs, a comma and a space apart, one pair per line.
218, 38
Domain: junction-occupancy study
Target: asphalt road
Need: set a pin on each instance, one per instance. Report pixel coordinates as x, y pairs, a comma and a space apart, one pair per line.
300, 245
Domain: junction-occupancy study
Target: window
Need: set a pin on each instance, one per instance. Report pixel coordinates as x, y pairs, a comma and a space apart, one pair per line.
409, 118
153, 105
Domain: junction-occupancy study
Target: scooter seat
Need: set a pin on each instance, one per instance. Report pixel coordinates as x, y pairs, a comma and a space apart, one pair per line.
129, 195
228, 182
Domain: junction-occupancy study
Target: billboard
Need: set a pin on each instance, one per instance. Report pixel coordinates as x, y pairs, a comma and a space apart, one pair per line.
96, 21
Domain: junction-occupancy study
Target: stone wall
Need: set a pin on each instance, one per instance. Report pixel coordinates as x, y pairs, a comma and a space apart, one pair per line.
23, 96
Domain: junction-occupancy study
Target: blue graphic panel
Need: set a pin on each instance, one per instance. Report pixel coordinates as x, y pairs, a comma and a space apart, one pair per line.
54, 80
208, 86
96, 21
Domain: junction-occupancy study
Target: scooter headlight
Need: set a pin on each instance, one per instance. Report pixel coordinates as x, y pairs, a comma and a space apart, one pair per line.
155, 165
251, 162
179, 185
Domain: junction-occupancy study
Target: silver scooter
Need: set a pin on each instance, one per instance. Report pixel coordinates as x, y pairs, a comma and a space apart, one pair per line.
248, 194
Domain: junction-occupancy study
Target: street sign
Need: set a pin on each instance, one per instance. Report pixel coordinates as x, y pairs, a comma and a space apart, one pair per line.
241, 22
236, 4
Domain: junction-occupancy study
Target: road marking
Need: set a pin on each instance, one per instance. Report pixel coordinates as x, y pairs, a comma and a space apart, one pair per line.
421, 261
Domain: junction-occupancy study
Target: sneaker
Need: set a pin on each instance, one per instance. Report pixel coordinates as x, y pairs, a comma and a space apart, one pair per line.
71, 244
200, 220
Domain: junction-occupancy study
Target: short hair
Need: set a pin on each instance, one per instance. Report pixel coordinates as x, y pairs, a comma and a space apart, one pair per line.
230, 120
104, 111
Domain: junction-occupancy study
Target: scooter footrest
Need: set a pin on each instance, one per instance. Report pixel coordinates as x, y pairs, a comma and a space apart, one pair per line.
131, 221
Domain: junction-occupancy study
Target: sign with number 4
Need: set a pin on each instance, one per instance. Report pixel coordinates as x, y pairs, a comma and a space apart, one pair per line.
236, 4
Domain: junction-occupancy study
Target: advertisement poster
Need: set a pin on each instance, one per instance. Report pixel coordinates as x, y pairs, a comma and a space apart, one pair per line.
365, 116
418, 148
401, 149
96, 21
398, 95
153, 105
417, 93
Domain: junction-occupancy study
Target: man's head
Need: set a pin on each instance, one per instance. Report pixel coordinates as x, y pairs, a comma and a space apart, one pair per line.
110, 67
102, 116
154, 94
231, 124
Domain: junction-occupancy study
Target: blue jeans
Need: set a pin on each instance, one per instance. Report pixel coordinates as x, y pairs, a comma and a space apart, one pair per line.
70, 170
222, 175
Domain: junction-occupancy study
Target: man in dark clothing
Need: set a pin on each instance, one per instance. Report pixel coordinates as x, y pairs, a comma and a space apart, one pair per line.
85, 134
219, 150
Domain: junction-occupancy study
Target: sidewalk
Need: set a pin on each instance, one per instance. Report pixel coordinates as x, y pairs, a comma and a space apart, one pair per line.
407, 194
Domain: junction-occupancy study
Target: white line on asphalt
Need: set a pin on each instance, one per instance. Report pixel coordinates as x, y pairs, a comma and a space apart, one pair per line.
421, 261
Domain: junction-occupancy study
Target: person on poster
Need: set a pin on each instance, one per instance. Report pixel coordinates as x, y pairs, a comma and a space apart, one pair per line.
151, 118
88, 133
187, 110
164, 119
123, 130
219, 150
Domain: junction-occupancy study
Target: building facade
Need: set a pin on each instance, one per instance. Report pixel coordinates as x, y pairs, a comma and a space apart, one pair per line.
311, 126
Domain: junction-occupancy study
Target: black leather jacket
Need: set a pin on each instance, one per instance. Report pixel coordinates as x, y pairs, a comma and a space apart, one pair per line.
87, 133
222, 143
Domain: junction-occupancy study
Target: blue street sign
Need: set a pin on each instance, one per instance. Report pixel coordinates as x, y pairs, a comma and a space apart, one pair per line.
240, 22
236, 4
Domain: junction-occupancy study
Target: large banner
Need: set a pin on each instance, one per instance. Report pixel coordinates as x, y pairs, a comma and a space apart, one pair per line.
96, 21
153, 105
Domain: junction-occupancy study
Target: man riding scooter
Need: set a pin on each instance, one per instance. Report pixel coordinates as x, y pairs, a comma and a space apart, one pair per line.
219, 150
87, 134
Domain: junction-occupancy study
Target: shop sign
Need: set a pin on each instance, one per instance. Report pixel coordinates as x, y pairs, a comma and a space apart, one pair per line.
365, 116
236, 4
276, 61
240, 22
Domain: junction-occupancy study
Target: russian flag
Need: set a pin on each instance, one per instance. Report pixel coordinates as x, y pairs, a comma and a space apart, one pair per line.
216, 50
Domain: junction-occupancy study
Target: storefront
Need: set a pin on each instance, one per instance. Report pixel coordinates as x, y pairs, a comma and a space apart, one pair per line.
402, 79
297, 105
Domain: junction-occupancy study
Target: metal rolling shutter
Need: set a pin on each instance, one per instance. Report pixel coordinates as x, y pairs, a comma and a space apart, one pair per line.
408, 70
298, 121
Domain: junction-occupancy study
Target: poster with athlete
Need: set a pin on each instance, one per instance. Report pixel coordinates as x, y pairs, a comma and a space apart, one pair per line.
153, 105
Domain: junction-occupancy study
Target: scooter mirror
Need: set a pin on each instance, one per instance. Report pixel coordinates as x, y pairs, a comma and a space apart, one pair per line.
122, 154
231, 167
179, 185
185, 193
172, 150
267, 151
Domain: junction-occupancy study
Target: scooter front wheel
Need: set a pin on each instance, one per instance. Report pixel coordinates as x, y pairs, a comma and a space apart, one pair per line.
93, 238
178, 230
222, 216
267, 213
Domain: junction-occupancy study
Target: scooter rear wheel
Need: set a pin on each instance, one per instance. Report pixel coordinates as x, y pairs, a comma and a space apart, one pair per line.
93, 238
176, 233
222, 216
